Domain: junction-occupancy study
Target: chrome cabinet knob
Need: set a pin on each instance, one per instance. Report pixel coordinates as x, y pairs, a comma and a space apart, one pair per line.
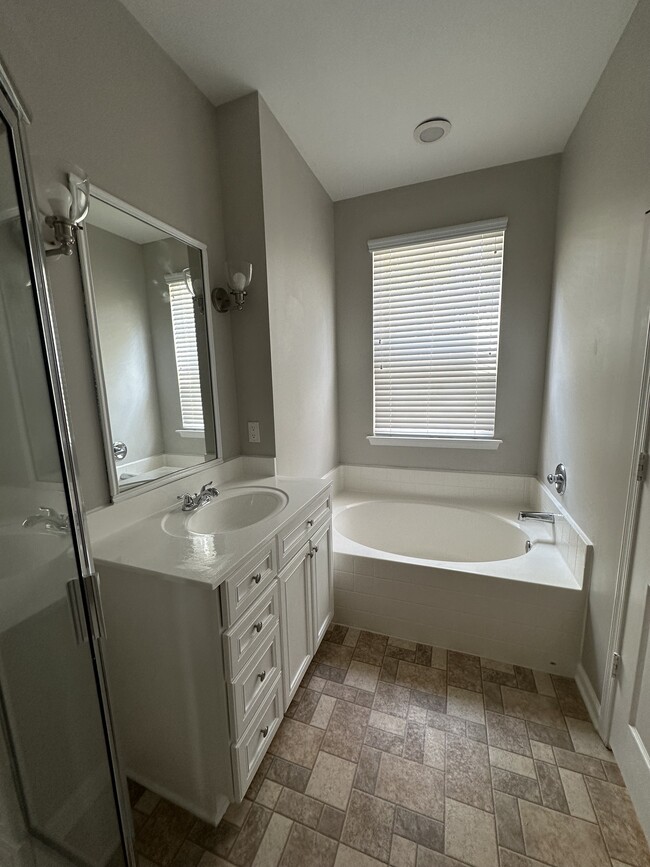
258, 626
257, 578
315, 549
310, 523
262, 676
264, 732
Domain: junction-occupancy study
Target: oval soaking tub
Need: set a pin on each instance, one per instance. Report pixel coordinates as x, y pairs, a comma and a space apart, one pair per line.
431, 531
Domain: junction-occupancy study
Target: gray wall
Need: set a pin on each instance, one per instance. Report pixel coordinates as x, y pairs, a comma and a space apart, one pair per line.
299, 229
127, 350
599, 315
243, 208
526, 193
121, 109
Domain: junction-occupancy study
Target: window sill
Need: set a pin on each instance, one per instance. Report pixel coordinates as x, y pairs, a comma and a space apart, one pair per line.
435, 442
191, 434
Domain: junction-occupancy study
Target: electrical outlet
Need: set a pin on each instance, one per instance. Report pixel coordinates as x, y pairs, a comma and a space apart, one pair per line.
254, 432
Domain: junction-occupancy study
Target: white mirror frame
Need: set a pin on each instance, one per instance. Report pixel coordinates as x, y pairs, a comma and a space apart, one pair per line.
98, 368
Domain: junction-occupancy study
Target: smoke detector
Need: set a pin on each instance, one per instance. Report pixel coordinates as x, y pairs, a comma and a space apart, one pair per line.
430, 131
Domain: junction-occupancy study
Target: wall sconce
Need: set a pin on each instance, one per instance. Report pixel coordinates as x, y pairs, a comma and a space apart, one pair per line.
69, 208
239, 278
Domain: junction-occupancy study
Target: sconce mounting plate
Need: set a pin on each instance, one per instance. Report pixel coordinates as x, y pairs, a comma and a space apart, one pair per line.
225, 301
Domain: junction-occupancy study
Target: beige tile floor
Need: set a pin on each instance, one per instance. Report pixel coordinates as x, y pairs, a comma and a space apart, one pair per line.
409, 755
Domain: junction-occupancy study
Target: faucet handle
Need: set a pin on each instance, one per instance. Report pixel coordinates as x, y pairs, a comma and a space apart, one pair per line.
186, 498
207, 486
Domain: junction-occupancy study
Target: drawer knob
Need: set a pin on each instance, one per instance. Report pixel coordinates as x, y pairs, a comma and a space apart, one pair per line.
258, 626
315, 549
257, 578
262, 675
310, 523
264, 732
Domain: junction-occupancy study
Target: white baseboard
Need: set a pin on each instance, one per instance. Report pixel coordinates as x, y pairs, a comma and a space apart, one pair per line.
588, 696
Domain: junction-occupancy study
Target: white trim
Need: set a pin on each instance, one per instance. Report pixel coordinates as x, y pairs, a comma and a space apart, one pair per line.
628, 541
435, 442
588, 696
497, 224
191, 433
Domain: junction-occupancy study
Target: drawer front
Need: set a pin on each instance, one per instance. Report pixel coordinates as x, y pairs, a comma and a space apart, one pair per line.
299, 530
253, 684
248, 583
249, 633
249, 751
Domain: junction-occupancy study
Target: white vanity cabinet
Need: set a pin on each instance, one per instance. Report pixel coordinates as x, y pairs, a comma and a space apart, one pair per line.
201, 672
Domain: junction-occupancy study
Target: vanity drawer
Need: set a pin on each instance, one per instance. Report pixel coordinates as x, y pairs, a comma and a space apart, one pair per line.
300, 529
252, 685
246, 585
249, 751
253, 628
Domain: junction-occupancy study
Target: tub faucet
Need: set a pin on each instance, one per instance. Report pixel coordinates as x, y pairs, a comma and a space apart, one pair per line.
51, 520
547, 517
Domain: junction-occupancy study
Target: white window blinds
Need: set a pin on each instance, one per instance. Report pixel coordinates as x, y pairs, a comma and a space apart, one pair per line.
187, 355
436, 311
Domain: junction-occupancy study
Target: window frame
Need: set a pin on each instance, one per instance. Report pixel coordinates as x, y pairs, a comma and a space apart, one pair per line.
412, 239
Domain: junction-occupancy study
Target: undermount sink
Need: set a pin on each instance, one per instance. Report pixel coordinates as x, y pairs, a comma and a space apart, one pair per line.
236, 509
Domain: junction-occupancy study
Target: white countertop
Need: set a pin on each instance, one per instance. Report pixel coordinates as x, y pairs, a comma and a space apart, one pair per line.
153, 546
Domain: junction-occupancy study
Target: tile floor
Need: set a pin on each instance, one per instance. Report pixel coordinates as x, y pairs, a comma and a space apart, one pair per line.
408, 755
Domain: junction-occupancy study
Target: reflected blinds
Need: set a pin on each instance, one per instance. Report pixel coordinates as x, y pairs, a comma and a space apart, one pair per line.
436, 311
187, 355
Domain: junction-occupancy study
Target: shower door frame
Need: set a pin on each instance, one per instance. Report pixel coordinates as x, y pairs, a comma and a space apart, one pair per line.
89, 619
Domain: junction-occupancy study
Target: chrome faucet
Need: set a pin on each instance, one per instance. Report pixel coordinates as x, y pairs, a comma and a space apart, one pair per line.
547, 517
193, 501
51, 520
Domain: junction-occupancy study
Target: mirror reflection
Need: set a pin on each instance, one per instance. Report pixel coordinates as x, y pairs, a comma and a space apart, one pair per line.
147, 300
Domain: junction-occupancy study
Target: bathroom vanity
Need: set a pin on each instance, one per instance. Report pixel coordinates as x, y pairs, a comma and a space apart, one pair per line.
211, 627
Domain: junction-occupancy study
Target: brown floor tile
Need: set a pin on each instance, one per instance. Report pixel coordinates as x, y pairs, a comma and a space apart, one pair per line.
346, 731
390, 698
367, 770
509, 833
305, 846
297, 742
288, 774
551, 787
569, 697
417, 787
623, 835
507, 733
464, 671
421, 677
368, 825
468, 772
540, 709
299, 807
420, 829
378, 733
560, 840
370, 648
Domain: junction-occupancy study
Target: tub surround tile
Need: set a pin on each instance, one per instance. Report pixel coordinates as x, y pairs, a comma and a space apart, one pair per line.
399, 775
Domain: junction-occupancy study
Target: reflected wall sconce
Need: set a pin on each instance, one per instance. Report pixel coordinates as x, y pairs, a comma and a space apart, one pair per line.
65, 209
239, 279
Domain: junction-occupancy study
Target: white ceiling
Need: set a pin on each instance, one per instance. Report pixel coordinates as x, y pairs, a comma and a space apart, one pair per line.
350, 79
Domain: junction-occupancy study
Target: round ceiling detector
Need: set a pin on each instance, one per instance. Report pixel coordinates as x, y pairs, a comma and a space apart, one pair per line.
431, 130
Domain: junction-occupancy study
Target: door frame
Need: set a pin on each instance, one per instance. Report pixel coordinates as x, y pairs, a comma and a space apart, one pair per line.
630, 527
54, 372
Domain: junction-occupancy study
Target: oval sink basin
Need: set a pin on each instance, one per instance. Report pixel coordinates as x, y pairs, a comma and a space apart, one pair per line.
237, 509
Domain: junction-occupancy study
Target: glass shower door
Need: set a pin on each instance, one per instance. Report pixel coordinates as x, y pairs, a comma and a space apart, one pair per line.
59, 795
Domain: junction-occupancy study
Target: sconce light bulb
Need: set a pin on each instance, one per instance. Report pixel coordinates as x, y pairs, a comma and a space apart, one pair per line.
238, 281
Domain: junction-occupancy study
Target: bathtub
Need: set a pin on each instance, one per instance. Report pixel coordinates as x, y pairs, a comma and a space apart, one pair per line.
473, 579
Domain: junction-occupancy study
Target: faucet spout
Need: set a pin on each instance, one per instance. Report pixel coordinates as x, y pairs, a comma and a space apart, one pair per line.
547, 517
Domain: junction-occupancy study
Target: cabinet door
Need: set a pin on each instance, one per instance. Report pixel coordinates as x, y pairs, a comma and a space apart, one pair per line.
322, 582
297, 640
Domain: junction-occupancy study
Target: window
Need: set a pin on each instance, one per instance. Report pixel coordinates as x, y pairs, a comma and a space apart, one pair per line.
436, 311
181, 301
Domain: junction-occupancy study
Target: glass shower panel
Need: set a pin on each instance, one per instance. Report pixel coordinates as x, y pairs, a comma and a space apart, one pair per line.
57, 804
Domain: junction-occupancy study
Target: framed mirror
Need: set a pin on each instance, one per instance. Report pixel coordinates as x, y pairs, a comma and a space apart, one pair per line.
152, 343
